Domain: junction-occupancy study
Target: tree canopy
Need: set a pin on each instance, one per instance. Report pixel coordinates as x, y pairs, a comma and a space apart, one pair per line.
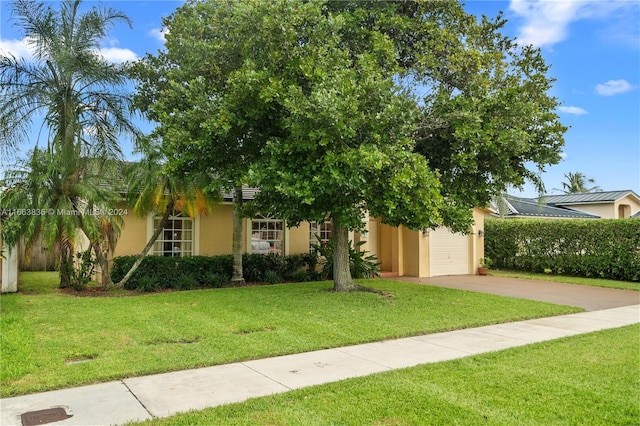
577, 183
411, 111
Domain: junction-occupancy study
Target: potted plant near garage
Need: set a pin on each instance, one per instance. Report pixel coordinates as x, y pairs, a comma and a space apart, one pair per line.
485, 263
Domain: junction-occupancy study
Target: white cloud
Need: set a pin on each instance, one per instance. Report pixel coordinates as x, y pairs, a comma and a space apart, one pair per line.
159, 34
572, 110
117, 54
17, 48
614, 87
20, 49
546, 22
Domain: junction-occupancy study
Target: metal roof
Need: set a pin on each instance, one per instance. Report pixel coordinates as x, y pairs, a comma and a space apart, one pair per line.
530, 207
587, 197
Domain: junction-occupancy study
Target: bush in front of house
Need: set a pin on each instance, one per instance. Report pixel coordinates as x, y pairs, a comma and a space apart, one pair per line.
599, 248
184, 273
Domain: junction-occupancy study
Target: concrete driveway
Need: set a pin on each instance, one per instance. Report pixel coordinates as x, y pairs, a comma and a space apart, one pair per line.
587, 297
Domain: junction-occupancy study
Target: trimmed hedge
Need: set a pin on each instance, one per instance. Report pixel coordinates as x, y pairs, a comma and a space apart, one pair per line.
184, 273
600, 248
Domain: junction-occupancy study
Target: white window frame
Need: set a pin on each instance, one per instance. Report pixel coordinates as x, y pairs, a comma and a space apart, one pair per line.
323, 229
267, 235
179, 241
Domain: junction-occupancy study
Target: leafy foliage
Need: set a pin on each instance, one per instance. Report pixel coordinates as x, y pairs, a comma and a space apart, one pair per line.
601, 248
83, 271
360, 264
412, 112
83, 102
184, 273
576, 183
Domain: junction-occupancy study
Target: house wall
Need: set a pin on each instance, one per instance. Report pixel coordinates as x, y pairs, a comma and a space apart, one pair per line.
415, 262
387, 247
620, 209
604, 210
478, 237
631, 205
216, 231
407, 253
133, 236
400, 250
214, 234
297, 239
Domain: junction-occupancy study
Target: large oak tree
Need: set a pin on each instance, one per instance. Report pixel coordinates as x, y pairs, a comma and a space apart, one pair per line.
410, 111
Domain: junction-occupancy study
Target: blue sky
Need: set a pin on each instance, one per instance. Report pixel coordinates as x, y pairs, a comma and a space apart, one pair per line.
593, 48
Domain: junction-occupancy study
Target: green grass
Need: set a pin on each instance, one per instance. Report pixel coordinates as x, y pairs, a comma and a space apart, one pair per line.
596, 282
45, 333
591, 379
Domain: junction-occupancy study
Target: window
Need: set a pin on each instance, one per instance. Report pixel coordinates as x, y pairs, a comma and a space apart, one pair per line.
322, 231
267, 235
176, 239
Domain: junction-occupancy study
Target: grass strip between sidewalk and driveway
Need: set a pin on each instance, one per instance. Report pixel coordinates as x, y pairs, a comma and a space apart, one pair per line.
591, 379
53, 340
595, 282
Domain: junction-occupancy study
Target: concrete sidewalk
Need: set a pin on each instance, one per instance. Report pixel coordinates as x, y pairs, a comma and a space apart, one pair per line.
162, 395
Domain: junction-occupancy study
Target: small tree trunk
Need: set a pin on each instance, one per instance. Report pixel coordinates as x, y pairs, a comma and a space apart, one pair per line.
105, 278
342, 280
145, 250
237, 277
65, 262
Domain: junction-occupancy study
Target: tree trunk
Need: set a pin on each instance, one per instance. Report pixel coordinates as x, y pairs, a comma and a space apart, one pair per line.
145, 250
237, 277
105, 278
65, 265
342, 280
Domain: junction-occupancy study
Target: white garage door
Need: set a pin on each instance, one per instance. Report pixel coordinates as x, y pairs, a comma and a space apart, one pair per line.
449, 253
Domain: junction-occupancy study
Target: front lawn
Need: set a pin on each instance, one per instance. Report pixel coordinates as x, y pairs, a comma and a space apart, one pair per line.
52, 340
591, 379
596, 282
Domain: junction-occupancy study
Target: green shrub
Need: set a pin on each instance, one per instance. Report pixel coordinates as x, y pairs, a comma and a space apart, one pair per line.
81, 273
147, 283
361, 265
184, 273
272, 277
187, 282
301, 276
216, 280
598, 248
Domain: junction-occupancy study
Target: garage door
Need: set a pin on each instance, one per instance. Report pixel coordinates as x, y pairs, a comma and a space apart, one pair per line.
449, 253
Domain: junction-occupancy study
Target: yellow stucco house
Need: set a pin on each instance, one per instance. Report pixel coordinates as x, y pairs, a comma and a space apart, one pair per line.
402, 252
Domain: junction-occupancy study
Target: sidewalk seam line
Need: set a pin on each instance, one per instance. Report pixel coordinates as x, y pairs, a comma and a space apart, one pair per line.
265, 376
137, 399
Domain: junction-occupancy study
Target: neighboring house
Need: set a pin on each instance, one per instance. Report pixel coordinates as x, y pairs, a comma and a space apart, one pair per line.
402, 252
589, 205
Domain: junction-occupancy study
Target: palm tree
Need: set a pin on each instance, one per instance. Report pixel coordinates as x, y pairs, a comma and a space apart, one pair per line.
85, 108
577, 183
48, 199
155, 188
